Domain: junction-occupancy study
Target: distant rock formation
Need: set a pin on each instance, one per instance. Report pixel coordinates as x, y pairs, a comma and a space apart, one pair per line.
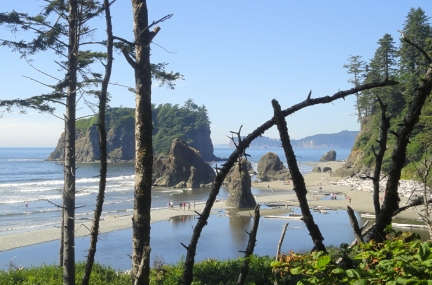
327, 169
329, 156
317, 169
270, 167
343, 139
240, 187
183, 166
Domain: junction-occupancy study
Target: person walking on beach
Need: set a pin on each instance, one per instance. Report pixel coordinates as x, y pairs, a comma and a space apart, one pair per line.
189, 208
194, 204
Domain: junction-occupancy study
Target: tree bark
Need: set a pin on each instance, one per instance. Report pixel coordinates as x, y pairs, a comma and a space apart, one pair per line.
143, 145
102, 148
69, 163
298, 180
385, 124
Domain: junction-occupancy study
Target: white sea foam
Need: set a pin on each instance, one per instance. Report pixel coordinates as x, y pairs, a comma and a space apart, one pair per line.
24, 159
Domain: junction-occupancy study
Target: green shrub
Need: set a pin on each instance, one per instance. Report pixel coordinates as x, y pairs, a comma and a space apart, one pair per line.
52, 275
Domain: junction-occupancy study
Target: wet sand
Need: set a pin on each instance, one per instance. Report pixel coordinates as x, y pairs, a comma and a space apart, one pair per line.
278, 193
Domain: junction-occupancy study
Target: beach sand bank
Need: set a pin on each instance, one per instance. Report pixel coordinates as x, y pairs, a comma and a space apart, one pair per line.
278, 193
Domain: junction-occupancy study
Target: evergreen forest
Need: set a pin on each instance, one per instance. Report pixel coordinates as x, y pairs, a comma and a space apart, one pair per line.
169, 122
403, 63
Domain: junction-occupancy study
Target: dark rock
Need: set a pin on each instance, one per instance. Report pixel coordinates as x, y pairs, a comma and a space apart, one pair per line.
316, 169
329, 156
270, 167
327, 169
249, 169
182, 164
240, 188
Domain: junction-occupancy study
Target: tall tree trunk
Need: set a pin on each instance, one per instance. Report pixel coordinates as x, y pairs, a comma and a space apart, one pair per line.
143, 145
102, 148
69, 163
298, 180
384, 126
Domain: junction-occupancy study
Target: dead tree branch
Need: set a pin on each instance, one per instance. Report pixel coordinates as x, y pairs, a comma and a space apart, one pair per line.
202, 222
250, 247
299, 185
384, 126
278, 251
354, 225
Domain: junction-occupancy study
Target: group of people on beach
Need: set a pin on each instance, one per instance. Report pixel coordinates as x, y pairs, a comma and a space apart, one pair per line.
182, 205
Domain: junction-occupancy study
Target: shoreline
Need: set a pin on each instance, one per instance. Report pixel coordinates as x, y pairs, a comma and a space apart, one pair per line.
361, 201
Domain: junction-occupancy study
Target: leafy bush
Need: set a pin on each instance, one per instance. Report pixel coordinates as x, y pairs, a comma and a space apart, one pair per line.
402, 259
52, 275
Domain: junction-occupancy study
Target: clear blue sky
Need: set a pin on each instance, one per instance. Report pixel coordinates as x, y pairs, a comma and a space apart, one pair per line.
236, 57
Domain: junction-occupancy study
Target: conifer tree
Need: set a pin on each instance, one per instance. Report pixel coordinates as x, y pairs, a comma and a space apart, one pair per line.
412, 64
356, 68
60, 28
382, 66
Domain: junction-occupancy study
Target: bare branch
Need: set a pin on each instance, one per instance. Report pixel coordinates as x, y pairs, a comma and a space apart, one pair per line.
165, 48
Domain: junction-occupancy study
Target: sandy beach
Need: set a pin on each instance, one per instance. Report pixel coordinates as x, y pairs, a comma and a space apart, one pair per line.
361, 201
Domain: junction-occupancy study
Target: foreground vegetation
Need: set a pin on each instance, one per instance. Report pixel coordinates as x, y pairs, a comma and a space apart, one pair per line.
402, 259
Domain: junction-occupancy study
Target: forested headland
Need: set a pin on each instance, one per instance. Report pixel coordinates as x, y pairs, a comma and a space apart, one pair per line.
405, 64
343, 139
189, 123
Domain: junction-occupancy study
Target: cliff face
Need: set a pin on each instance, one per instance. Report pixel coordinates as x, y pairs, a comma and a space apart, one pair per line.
120, 144
86, 147
203, 143
355, 161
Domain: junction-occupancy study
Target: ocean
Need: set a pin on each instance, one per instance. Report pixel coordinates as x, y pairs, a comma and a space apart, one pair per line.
26, 176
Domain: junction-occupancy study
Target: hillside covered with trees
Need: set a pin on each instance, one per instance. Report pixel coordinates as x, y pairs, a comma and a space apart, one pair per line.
189, 123
403, 63
343, 139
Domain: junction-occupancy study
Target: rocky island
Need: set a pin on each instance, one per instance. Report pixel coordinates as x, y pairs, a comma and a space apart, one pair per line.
189, 123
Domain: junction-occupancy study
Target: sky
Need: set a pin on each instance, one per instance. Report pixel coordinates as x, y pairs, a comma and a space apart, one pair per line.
235, 56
